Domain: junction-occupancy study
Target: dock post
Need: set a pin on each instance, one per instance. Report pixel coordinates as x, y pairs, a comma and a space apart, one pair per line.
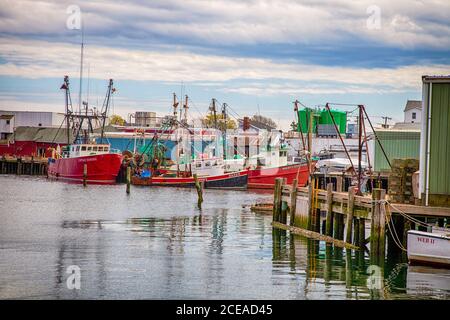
199, 187
329, 218
128, 179
350, 207
277, 199
293, 204
85, 175
311, 212
362, 233
19, 166
376, 230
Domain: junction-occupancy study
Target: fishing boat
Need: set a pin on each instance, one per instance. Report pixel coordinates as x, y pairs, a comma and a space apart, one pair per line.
429, 247
231, 181
81, 160
264, 177
93, 163
210, 171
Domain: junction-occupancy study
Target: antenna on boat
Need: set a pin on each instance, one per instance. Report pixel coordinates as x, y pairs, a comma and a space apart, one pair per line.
81, 68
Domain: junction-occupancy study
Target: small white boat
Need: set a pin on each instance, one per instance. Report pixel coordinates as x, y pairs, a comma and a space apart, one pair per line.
429, 248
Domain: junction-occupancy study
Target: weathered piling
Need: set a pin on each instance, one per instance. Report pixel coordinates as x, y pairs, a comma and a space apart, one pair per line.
293, 203
128, 179
329, 216
377, 231
85, 175
350, 207
199, 187
277, 199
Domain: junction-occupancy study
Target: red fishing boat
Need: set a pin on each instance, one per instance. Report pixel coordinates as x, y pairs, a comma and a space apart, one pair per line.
94, 163
264, 177
81, 160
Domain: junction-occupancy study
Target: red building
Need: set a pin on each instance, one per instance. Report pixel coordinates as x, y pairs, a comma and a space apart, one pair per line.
32, 141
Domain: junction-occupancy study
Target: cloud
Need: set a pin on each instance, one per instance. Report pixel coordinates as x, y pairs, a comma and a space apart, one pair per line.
23, 59
404, 23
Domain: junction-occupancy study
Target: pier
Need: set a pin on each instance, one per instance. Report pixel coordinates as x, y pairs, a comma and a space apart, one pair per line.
23, 166
342, 218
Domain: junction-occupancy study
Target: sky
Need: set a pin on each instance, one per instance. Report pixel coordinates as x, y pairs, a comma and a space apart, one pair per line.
258, 56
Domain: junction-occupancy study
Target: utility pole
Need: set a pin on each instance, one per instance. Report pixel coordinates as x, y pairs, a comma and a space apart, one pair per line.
385, 121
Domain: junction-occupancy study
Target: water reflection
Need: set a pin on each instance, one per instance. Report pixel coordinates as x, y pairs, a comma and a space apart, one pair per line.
128, 249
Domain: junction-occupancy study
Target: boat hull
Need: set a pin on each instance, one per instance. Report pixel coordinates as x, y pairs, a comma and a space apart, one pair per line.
428, 248
101, 169
232, 181
264, 178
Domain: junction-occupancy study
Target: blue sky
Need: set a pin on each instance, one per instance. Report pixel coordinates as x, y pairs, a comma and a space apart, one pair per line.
257, 56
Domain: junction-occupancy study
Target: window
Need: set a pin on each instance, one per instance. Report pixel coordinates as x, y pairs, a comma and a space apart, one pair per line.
89, 148
100, 149
83, 148
414, 115
8, 122
78, 148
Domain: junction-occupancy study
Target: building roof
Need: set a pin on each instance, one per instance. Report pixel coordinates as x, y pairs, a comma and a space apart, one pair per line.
42, 134
413, 104
416, 126
6, 116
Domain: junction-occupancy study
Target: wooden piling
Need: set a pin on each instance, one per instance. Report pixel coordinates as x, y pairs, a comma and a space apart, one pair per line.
350, 207
277, 199
199, 187
362, 233
329, 217
85, 175
377, 236
311, 204
293, 204
128, 179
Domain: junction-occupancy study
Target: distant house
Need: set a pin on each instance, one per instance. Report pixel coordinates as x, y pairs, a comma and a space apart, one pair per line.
413, 111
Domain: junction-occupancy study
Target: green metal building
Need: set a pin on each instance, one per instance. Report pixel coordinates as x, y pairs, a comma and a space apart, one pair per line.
398, 144
434, 180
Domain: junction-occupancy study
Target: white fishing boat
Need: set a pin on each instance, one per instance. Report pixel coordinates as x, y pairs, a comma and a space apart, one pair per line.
429, 247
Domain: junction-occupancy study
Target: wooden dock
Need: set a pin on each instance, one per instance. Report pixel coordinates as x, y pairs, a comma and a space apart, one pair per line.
340, 217
23, 165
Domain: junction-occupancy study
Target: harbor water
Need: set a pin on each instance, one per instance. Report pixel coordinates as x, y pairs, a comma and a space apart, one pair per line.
155, 244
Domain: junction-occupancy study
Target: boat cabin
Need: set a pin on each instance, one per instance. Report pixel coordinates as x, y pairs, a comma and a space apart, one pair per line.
82, 150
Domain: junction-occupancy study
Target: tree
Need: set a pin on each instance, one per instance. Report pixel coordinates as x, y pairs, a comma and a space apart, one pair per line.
294, 126
208, 122
264, 120
117, 120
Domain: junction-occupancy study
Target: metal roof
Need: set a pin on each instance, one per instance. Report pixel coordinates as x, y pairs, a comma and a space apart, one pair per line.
442, 78
42, 134
413, 104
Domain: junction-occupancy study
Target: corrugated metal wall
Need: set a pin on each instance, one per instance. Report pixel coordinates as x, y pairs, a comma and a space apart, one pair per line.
398, 145
440, 139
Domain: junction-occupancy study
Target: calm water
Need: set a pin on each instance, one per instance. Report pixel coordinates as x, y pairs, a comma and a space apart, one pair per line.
155, 243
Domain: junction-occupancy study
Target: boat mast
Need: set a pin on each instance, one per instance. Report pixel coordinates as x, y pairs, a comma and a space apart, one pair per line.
81, 70
65, 87
224, 132
106, 106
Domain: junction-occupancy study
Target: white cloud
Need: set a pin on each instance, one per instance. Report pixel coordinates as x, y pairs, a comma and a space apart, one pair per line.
36, 59
405, 23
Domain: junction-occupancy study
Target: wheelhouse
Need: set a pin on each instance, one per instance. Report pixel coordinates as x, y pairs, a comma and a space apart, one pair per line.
82, 150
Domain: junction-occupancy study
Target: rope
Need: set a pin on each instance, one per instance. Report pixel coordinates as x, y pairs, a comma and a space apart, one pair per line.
394, 234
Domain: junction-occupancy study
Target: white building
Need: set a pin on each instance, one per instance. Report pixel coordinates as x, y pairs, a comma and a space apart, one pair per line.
34, 118
413, 111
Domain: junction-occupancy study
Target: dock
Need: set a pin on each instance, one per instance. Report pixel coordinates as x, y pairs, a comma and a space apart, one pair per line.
33, 166
341, 218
